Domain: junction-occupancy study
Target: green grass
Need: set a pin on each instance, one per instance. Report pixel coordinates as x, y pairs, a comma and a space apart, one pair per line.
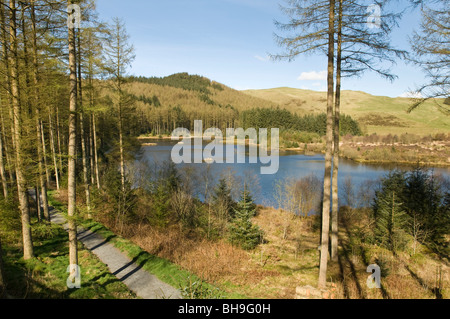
45, 276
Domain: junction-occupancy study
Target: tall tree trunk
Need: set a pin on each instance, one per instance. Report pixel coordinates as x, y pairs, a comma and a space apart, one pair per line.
58, 136
85, 164
53, 149
73, 251
328, 157
94, 129
44, 153
21, 183
41, 163
91, 151
122, 161
337, 117
8, 163
43, 182
38, 203
2, 279
2, 168
83, 137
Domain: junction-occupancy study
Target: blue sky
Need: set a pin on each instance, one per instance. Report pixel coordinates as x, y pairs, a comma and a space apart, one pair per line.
228, 41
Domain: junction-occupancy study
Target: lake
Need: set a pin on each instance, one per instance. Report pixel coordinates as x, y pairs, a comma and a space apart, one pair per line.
292, 165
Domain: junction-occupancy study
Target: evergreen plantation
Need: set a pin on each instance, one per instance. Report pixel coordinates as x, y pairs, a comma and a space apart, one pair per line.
164, 104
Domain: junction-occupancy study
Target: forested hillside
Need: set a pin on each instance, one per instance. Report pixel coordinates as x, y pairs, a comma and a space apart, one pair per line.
163, 104
177, 100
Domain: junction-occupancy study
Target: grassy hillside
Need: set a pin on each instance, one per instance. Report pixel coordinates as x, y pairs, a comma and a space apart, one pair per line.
378, 114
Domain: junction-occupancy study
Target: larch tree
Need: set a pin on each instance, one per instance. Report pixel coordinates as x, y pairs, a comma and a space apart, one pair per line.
314, 24
352, 47
362, 44
86, 16
92, 69
432, 53
40, 143
84, 155
119, 56
28, 250
5, 96
329, 151
336, 141
72, 150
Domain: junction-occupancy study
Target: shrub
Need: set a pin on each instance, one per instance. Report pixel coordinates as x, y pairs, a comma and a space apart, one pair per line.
385, 264
198, 289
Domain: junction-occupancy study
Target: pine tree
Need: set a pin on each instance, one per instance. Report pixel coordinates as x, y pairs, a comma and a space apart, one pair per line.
223, 203
247, 203
242, 231
390, 222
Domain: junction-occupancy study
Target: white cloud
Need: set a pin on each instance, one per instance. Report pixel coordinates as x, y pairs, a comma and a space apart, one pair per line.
412, 95
260, 58
313, 76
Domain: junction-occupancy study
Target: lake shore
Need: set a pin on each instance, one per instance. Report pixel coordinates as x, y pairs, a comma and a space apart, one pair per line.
435, 153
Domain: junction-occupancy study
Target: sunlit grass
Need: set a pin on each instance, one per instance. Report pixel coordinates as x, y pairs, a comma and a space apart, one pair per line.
45, 276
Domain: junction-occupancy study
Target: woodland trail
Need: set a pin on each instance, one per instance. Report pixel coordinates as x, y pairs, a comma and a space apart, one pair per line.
142, 283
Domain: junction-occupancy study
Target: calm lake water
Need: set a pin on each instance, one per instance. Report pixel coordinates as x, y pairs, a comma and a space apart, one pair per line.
292, 165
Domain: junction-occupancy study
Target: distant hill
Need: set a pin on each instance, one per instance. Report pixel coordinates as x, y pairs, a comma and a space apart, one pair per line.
378, 114
194, 91
179, 99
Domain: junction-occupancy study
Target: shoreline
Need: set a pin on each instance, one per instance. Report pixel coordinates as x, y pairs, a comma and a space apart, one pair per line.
317, 148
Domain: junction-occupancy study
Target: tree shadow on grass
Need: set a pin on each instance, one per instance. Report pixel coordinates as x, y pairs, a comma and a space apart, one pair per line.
344, 259
435, 291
